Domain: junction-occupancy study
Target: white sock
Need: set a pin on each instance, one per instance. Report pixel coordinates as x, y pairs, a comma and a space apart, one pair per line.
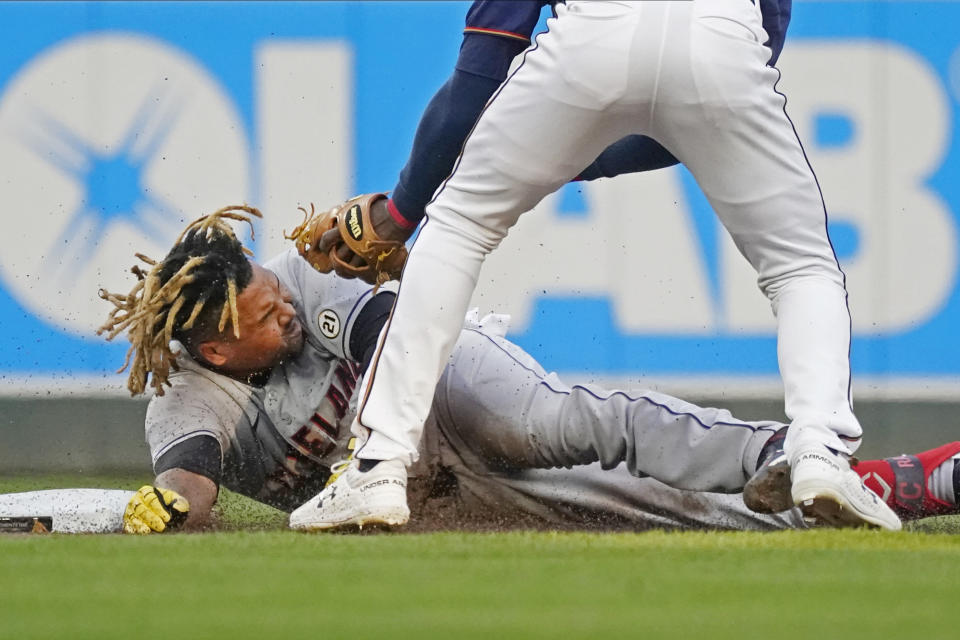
941, 482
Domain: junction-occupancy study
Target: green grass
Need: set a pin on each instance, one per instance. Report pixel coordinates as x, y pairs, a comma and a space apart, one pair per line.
273, 583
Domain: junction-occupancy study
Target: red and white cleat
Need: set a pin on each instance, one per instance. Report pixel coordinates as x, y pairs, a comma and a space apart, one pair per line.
903, 482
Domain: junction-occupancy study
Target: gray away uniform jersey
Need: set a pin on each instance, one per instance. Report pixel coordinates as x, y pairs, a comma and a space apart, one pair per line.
277, 441
518, 440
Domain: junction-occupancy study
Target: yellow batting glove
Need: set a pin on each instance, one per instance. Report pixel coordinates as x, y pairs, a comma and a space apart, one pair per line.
154, 509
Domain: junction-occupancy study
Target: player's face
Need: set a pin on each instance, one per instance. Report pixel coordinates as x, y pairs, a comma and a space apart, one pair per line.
269, 329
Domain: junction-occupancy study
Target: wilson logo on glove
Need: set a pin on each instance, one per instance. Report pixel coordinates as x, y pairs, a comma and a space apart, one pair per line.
380, 259
354, 222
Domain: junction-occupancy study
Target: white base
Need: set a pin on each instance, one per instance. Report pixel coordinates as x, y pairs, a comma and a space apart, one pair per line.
72, 510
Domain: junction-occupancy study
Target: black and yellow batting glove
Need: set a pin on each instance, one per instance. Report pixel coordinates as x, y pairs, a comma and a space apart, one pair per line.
152, 509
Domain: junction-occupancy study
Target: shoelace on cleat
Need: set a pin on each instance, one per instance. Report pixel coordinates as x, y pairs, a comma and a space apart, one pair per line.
337, 468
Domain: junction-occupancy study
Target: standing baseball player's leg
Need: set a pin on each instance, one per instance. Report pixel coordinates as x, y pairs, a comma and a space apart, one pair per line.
542, 127
501, 411
741, 147
537, 132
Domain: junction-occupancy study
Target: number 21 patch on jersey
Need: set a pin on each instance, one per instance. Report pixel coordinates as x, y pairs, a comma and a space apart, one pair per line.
329, 323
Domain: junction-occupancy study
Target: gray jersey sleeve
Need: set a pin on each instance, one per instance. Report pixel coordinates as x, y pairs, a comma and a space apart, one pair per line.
182, 413
328, 304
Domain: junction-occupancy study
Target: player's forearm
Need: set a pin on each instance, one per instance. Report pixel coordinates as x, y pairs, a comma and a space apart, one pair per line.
776, 19
631, 154
367, 326
200, 492
481, 66
443, 127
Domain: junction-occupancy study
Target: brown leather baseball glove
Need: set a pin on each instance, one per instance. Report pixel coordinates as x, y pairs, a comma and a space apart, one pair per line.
379, 260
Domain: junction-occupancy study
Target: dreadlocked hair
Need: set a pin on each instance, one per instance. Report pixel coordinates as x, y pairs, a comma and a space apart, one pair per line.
191, 296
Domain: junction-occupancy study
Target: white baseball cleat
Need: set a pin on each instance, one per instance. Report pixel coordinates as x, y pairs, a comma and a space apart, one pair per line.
357, 498
830, 493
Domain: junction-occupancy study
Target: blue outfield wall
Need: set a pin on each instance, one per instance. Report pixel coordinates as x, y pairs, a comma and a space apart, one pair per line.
119, 121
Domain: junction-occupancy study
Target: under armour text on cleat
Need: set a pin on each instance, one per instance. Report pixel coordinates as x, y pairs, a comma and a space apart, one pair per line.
355, 498
830, 493
768, 491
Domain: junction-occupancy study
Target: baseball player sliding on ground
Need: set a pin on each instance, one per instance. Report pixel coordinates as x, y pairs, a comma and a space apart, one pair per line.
694, 76
255, 370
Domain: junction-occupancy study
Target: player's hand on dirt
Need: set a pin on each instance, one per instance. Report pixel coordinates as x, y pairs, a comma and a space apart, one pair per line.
358, 239
152, 509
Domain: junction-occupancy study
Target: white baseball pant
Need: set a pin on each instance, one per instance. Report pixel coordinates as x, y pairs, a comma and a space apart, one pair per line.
693, 76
